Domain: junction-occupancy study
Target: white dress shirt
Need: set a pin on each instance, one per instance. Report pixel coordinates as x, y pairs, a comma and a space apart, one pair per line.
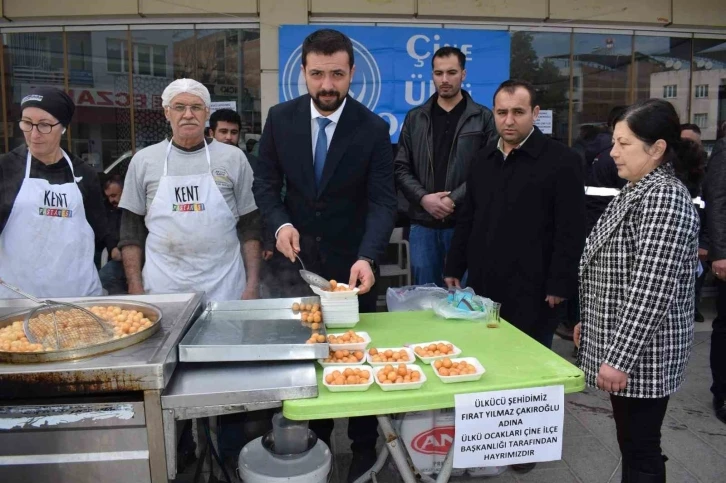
329, 131
500, 144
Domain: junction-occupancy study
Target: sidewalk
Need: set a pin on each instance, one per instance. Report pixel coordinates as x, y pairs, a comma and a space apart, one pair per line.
693, 439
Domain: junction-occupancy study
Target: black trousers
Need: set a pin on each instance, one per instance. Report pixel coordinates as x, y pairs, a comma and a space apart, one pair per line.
638, 422
718, 344
363, 431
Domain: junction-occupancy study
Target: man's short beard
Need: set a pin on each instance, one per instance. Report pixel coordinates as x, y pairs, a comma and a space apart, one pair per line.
330, 106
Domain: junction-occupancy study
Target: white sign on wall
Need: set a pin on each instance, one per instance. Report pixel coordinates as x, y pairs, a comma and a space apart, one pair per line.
215, 106
509, 427
544, 122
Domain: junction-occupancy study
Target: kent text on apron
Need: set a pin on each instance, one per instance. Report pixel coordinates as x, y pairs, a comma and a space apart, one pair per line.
192, 244
47, 245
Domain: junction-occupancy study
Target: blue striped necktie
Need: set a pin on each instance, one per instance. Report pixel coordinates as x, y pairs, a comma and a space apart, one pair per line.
321, 149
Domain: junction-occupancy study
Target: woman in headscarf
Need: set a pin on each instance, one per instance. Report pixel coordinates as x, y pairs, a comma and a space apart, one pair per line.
51, 209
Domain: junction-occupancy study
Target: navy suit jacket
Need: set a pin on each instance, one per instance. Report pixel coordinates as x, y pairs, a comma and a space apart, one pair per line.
353, 211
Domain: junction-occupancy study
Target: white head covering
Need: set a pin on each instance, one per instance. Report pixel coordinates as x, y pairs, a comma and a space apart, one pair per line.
189, 86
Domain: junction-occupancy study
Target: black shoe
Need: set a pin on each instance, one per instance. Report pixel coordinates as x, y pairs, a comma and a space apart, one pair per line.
721, 414
362, 463
636, 476
698, 317
718, 403
523, 468
565, 332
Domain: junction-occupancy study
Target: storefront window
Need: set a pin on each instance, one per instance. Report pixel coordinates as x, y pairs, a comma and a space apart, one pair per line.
98, 82
97, 70
709, 87
228, 63
31, 59
543, 58
602, 65
662, 70
159, 57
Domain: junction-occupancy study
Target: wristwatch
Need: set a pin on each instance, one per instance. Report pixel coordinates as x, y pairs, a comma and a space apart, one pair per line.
371, 262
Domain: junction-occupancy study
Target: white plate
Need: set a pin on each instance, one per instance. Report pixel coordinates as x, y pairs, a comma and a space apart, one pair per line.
348, 387
352, 318
465, 378
348, 294
350, 304
340, 308
353, 346
429, 360
411, 357
340, 324
340, 364
347, 317
403, 386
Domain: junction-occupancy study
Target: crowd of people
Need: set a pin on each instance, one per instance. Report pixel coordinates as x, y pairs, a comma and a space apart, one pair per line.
617, 233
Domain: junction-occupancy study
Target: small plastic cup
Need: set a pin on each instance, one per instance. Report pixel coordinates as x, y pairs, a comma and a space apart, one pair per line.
493, 315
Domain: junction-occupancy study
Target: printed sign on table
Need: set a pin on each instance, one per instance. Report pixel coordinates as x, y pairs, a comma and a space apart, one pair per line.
509, 427
393, 65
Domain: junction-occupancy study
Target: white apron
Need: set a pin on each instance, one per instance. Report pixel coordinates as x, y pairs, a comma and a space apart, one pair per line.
192, 244
47, 246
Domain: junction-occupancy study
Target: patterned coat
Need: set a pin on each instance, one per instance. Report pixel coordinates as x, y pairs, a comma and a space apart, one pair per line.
637, 277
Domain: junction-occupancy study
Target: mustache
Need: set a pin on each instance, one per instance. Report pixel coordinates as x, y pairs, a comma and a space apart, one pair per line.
327, 93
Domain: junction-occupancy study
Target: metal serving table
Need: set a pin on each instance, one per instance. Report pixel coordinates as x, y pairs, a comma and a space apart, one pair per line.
252, 330
92, 419
239, 356
200, 390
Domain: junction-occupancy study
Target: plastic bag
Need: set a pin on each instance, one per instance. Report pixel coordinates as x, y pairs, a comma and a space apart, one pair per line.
466, 305
414, 297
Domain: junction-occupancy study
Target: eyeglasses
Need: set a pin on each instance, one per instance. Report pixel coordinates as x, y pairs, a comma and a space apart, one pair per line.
180, 108
42, 127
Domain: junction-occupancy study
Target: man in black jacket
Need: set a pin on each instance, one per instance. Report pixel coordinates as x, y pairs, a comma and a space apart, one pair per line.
521, 230
716, 218
602, 180
340, 202
437, 143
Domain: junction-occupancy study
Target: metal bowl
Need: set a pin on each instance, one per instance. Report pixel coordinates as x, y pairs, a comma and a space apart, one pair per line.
152, 312
268, 442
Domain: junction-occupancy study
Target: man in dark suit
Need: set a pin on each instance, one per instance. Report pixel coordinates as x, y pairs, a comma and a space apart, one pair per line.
340, 202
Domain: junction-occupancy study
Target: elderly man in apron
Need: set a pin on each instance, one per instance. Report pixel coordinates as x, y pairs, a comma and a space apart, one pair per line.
188, 204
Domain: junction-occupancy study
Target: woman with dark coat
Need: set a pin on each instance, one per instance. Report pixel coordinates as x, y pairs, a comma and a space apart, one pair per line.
637, 277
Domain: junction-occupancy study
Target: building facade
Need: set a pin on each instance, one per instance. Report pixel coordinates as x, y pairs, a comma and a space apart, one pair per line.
116, 56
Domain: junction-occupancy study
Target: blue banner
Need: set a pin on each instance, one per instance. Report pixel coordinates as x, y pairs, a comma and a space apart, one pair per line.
393, 65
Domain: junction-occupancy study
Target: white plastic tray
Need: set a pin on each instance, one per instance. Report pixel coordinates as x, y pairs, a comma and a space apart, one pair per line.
411, 356
429, 360
348, 307
340, 323
348, 294
465, 378
356, 346
348, 387
403, 386
340, 364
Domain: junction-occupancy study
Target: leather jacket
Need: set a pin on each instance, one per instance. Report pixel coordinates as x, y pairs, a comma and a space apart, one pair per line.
414, 163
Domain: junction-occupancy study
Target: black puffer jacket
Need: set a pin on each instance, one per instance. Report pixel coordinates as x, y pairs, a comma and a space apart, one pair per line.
715, 194
414, 164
